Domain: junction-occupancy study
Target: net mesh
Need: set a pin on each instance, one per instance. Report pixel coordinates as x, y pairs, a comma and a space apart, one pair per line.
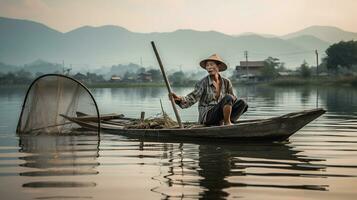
48, 98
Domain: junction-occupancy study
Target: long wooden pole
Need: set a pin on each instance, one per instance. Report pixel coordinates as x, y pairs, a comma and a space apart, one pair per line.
167, 84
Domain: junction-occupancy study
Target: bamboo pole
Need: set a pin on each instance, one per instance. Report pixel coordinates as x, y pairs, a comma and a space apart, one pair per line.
167, 84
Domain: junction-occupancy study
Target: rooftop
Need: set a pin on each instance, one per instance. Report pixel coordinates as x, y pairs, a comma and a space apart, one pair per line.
252, 64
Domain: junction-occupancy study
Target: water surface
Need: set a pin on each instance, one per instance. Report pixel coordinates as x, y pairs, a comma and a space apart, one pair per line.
318, 162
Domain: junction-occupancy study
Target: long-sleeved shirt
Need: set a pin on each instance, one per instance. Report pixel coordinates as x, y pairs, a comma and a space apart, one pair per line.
204, 92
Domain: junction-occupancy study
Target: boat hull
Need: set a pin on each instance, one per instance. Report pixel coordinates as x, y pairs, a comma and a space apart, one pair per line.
276, 128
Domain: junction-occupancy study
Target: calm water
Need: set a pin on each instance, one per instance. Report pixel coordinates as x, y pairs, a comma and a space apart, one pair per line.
318, 162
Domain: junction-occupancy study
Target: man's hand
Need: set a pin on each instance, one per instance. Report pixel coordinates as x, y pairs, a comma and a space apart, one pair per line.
175, 97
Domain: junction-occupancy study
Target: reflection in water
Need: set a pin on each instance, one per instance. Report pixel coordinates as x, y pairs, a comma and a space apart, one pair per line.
215, 167
221, 163
213, 178
318, 162
54, 157
341, 100
305, 95
220, 167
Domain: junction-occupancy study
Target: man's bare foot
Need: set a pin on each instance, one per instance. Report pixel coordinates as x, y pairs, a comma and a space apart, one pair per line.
227, 110
228, 124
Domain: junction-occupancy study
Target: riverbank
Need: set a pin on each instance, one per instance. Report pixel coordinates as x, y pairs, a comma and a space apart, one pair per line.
350, 81
98, 85
346, 81
124, 85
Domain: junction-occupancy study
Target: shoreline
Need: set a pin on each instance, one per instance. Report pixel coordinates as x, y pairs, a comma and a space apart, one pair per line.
280, 82
315, 81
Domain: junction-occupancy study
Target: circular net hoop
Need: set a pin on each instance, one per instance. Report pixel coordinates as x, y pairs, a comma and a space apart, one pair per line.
52, 98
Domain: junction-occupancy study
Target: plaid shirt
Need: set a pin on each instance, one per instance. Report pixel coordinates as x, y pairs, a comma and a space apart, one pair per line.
204, 92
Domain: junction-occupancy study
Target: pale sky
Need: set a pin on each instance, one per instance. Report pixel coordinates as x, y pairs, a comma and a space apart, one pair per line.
227, 16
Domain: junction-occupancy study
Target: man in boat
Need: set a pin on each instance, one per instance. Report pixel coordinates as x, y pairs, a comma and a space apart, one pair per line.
217, 103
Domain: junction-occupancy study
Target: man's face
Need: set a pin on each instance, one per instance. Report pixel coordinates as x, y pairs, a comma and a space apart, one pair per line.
212, 68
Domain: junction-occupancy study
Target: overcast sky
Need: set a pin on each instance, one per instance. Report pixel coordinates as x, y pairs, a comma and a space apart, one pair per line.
228, 16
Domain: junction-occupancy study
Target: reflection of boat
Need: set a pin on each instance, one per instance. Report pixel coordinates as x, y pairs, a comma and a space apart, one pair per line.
250, 164
218, 167
276, 128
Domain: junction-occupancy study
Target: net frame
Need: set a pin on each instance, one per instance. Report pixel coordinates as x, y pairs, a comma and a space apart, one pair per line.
18, 129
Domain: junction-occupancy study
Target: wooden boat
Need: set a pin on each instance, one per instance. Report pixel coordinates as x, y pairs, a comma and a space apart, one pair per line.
276, 128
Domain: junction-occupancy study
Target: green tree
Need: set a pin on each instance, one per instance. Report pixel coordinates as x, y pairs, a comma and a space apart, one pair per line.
129, 76
342, 54
178, 78
141, 70
270, 67
305, 70
94, 78
281, 67
155, 74
22, 74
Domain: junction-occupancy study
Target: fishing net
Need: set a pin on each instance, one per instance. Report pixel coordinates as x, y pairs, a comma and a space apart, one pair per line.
157, 122
51, 101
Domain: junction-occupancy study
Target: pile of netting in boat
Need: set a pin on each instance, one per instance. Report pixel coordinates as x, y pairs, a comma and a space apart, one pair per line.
157, 122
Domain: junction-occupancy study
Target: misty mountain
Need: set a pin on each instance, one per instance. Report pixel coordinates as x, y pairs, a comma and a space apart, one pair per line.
41, 66
252, 33
6, 68
326, 33
24, 41
87, 47
37, 66
309, 42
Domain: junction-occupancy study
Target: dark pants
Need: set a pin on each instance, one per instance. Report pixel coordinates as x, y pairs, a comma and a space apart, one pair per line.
215, 115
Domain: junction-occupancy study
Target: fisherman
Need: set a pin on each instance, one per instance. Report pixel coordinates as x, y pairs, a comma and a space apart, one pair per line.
217, 103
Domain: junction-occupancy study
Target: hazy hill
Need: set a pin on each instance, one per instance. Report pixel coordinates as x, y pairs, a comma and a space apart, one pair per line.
308, 42
41, 66
6, 68
327, 33
24, 41
252, 33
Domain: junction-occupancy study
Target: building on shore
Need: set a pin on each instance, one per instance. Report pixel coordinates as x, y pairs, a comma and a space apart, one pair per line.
115, 78
144, 77
249, 71
287, 74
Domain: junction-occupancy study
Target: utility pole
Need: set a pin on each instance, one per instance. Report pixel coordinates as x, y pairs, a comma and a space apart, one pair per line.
317, 76
70, 68
246, 64
317, 63
246, 61
141, 61
62, 66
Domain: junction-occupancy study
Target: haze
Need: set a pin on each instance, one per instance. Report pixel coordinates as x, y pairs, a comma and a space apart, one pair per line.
276, 17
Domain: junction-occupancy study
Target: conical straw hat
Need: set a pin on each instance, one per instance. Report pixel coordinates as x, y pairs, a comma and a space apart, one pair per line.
222, 66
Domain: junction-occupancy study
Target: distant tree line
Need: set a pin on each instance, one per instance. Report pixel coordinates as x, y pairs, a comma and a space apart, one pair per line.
341, 58
142, 75
179, 78
272, 68
16, 78
130, 73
